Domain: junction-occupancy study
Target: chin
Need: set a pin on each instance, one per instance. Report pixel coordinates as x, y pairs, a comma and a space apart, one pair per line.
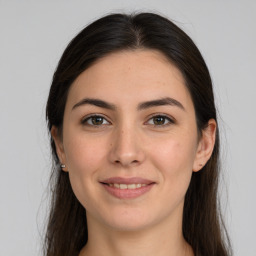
130, 220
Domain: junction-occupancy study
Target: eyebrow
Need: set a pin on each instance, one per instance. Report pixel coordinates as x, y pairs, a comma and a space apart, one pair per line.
161, 102
95, 102
144, 105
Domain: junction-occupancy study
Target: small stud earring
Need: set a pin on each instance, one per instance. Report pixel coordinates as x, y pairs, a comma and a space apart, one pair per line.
62, 165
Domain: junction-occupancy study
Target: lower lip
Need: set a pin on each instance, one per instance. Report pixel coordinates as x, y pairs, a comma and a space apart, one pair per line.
127, 193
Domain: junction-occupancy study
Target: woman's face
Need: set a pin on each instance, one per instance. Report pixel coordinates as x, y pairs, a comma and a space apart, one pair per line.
130, 141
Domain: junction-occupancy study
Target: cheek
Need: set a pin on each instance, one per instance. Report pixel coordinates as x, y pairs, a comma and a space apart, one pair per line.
84, 154
175, 153
174, 159
84, 159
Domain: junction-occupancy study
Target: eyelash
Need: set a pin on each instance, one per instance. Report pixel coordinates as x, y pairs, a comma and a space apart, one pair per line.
86, 119
165, 117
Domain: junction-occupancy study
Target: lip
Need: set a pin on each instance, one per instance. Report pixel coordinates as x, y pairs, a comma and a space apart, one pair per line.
127, 193
132, 180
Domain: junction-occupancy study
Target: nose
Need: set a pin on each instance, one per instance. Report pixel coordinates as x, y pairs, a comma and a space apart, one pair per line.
127, 149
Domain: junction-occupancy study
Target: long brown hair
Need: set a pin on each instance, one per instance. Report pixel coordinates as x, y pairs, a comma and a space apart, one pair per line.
202, 222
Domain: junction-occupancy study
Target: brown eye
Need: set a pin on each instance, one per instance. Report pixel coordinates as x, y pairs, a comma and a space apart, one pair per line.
160, 120
95, 121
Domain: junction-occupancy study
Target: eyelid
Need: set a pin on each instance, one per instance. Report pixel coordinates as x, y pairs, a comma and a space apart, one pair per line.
171, 119
87, 117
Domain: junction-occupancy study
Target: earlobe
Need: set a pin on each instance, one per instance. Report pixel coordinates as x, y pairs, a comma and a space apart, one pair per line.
59, 147
205, 145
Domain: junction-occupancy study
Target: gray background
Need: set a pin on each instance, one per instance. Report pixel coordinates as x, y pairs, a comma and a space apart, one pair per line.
34, 34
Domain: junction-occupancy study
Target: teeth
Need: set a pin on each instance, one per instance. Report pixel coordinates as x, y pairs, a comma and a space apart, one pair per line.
116, 185
131, 186
125, 186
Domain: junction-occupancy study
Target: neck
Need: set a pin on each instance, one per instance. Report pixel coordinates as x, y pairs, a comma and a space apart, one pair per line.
161, 240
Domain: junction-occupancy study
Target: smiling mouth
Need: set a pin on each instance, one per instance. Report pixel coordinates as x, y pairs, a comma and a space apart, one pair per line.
126, 186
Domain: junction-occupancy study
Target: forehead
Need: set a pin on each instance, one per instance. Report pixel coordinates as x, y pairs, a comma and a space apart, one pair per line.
128, 76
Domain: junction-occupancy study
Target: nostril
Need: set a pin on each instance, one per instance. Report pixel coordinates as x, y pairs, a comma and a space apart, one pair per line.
121, 161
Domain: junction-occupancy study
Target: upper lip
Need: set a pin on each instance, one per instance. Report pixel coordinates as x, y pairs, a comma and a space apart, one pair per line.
132, 180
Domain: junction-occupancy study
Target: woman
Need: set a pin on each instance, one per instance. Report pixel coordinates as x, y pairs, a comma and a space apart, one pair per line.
135, 142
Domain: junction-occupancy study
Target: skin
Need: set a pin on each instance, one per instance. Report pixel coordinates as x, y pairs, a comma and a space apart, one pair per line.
128, 142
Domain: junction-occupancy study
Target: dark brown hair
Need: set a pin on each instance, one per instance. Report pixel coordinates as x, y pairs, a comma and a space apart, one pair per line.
202, 223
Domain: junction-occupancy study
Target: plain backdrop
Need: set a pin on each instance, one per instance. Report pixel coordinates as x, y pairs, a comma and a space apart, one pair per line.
33, 35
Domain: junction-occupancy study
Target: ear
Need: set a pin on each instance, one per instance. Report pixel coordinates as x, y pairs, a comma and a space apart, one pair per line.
59, 146
205, 145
